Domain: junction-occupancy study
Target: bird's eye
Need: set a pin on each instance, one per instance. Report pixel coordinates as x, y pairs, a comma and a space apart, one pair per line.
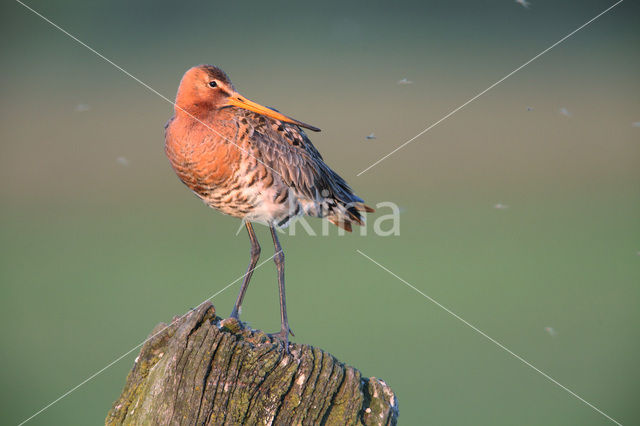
213, 84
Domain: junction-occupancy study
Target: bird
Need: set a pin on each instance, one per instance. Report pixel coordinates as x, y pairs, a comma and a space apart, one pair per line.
254, 163
370, 136
523, 3
404, 81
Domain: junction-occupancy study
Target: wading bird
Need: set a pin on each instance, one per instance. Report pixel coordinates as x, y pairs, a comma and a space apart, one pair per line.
254, 163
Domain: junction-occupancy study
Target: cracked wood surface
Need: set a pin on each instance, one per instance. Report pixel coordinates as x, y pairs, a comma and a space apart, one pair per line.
202, 369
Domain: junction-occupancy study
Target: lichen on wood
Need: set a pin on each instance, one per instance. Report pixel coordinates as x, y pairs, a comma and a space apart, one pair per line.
202, 369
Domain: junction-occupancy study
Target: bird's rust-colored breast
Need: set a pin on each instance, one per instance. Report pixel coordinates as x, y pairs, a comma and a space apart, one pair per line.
203, 159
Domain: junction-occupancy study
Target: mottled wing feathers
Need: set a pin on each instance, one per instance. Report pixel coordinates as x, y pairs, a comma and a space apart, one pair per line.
287, 150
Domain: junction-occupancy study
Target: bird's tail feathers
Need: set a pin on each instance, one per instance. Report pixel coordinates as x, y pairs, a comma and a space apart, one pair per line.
343, 216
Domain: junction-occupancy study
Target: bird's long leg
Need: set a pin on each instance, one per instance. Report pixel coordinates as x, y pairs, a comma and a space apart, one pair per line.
255, 255
283, 335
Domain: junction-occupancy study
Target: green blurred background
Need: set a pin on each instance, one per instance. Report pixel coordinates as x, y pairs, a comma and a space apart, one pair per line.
100, 241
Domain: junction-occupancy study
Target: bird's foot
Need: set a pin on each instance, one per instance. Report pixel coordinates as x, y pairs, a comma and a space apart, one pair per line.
283, 337
232, 325
235, 313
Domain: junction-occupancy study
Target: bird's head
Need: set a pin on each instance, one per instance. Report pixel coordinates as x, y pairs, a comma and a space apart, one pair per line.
208, 88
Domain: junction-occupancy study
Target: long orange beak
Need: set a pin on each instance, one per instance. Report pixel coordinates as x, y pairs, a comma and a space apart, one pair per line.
241, 102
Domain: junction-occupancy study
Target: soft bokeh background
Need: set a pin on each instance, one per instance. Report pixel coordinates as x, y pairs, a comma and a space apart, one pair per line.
100, 241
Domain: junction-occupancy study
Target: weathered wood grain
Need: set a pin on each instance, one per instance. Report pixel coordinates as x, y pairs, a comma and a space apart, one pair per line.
201, 369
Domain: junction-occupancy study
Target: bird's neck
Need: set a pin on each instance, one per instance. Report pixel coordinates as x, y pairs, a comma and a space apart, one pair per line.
202, 111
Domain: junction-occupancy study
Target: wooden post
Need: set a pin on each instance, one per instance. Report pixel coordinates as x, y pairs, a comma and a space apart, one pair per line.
202, 369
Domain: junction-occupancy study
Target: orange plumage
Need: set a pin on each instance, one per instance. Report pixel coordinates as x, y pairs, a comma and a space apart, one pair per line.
252, 162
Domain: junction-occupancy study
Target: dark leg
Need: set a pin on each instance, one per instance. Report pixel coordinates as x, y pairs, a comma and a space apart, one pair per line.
283, 335
255, 255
